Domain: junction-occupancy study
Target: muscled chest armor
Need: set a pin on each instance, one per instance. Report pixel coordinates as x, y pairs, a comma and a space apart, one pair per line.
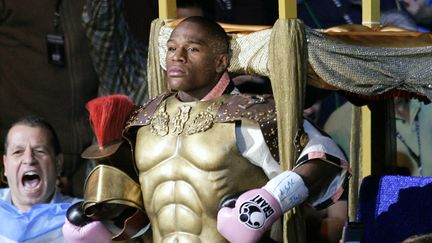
187, 163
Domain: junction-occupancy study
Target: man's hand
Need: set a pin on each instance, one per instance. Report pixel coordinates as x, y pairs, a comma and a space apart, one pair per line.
94, 232
253, 214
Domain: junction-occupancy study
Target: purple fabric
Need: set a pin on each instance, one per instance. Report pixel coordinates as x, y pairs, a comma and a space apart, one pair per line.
392, 208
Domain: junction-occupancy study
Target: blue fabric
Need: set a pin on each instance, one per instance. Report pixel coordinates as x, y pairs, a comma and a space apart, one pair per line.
392, 208
39, 220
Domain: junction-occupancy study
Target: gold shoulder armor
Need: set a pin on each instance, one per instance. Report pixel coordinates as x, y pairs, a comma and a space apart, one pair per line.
258, 108
142, 114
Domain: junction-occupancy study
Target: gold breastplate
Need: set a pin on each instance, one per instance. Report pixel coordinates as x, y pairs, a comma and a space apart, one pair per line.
187, 164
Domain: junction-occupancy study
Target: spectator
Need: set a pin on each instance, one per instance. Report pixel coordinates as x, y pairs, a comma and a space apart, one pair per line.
398, 18
413, 127
58, 91
32, 210
329, 13
186, 8
421, 10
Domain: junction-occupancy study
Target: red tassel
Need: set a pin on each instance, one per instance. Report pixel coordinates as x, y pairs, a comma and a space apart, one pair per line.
108, 116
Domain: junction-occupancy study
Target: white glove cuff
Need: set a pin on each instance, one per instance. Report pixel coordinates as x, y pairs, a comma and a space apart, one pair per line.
288, 188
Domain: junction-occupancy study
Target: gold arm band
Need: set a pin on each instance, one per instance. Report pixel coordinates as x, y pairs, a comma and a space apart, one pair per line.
110, 194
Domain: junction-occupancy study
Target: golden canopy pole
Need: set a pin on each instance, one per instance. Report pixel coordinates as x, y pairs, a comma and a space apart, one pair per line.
371, 18
287, 9
167, 9
288, 78
371, 13
155, 74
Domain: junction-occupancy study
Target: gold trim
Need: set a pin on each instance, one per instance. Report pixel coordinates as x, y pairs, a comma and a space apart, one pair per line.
180, 119
159, 122
204, 120
107, 184
201, 122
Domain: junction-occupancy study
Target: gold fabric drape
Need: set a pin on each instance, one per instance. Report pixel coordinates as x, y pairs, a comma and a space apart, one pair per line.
155, 74
288, 68
355, 159
249, 51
